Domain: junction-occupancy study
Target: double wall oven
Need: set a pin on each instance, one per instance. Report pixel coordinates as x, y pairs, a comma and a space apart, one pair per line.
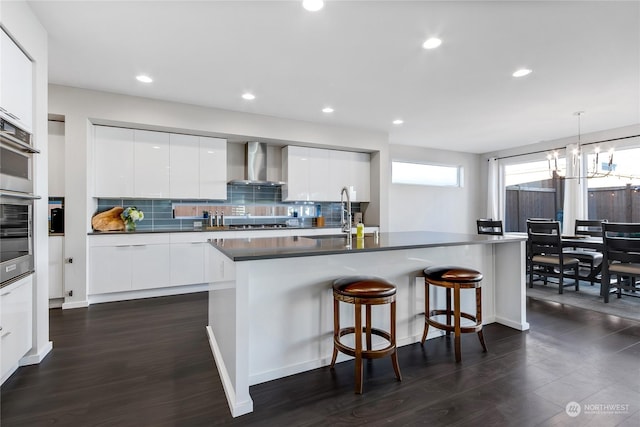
16, 202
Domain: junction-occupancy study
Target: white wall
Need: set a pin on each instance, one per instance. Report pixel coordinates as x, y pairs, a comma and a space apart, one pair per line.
21, 24
419, 207
82, 108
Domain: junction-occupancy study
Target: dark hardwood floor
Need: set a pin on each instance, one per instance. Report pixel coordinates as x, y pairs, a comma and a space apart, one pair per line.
148, 363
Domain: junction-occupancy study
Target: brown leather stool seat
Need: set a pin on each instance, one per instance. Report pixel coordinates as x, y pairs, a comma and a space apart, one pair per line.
456, 278
367, 291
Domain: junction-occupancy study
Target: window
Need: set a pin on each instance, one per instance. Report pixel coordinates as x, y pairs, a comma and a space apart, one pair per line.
426, 174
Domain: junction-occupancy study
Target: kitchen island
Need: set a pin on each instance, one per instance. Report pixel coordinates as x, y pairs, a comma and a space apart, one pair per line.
270, 299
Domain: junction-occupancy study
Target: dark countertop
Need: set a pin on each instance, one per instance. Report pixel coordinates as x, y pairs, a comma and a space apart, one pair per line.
290, 247
203, 229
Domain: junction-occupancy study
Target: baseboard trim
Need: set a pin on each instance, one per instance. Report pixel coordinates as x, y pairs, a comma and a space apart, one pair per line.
237, 408
34, 359
147, 293
520, 326
75, 304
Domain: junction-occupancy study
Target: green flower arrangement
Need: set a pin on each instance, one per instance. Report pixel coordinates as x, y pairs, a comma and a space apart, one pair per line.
130, 215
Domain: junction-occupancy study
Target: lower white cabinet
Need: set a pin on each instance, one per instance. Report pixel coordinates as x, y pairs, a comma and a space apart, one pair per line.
120, 263
15, 323
56, 267
187, 263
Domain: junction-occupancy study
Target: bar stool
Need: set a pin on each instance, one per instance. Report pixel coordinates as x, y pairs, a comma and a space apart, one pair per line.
455, 278
367, 291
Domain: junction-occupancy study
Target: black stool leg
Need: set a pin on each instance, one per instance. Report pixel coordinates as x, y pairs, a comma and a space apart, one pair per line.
368, 326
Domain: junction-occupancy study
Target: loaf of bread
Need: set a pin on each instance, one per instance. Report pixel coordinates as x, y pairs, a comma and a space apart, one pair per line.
108, 220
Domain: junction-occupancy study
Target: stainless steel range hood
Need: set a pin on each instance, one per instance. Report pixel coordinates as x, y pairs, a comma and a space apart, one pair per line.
255, 165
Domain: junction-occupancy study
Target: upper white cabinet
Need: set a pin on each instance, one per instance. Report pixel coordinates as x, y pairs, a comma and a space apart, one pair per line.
213, 168
352, 170
151, 161
149, 164
305, 171
318, 175
114, 162
185, 178
16, 84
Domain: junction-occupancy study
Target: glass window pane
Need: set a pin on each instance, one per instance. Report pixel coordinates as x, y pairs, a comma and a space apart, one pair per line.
425, 174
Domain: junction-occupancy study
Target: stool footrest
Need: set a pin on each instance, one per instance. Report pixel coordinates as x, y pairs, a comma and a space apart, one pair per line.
366, 354
450, 328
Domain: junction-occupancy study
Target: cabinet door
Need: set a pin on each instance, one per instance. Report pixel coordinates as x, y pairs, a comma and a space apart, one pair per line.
213, 168
56, 159
150, 266
109, 269
339, 174
361, 178
15, 320
16, 85
152, 164
56, 256
295, 164
187, 263
318, 174
185, 167
113, 162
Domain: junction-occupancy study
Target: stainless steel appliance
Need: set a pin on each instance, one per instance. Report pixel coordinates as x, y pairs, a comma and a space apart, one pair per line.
16, 158
57, 220
16, 235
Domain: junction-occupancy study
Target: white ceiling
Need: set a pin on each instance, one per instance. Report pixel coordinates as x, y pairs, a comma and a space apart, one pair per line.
365, 59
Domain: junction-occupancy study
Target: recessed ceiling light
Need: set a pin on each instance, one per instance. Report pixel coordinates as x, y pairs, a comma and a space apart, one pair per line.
313, 5
327, 110
521, 72
398, 122
144, 79
432, 43
248, 96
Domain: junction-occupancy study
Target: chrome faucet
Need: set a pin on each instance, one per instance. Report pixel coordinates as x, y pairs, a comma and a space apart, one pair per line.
346, 222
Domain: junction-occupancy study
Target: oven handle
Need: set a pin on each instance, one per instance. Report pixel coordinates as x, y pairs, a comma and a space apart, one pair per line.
8, 139
17, 195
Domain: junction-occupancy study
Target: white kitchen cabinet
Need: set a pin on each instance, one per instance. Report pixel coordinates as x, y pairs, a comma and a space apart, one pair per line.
187, 263
56, 159
113, 162
151, 164
120, 263
15, 324
352, 170
318, 175
213, 168
56, 267
150, 265
185, 166
16, 84
306, 173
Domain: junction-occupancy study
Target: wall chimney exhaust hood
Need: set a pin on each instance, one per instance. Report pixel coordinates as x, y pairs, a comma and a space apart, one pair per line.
255, 165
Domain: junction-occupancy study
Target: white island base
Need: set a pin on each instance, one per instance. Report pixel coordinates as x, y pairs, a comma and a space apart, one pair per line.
270, 318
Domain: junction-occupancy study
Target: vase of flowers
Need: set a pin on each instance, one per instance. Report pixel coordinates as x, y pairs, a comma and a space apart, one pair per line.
130, 215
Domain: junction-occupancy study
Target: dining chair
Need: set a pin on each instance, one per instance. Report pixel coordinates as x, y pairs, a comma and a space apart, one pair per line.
621, 258
589, 258
546, 256
490, 226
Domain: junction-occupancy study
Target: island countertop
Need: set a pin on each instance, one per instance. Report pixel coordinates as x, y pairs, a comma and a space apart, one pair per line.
298, 246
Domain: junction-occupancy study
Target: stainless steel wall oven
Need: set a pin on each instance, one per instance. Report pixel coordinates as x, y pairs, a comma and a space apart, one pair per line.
16, 236
16, 159
16, 202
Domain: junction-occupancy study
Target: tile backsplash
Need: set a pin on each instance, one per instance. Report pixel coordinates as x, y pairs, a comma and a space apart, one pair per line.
245, 204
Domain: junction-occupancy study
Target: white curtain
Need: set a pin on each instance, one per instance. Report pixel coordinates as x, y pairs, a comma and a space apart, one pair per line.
575, 185
495, 198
